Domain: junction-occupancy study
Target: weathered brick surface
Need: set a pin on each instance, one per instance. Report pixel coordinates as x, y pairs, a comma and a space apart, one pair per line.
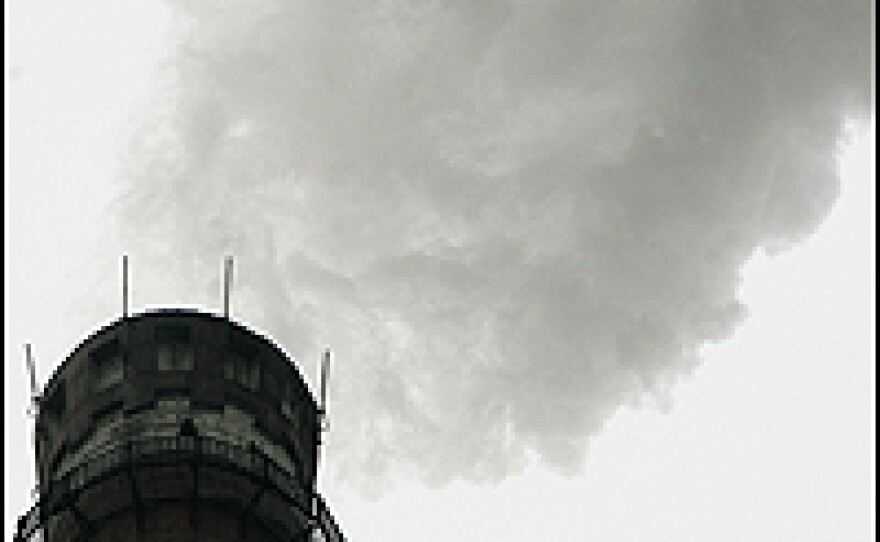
215, 519
149, 403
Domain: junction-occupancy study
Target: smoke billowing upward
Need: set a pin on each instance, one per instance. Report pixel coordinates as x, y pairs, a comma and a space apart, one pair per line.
507, 218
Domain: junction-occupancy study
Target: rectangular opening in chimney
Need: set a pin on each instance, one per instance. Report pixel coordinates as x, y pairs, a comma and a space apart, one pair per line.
174, 348
107, 366
242, 365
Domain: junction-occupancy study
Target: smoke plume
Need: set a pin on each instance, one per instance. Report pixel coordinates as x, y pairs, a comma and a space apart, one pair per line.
507, 218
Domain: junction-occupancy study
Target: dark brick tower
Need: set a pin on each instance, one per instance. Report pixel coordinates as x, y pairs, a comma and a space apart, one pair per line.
177, 425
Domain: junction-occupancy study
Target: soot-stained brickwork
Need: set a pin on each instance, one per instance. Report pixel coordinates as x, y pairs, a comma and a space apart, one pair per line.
177, 425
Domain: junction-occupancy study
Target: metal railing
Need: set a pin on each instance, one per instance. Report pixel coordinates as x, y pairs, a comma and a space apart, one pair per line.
160, 450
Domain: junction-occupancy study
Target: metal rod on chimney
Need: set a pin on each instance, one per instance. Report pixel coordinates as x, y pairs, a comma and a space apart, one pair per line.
32, 373
34, 406
325, 367
227, 284
125, 285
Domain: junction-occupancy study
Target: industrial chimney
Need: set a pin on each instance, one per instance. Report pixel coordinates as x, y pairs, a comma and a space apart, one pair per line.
177, 425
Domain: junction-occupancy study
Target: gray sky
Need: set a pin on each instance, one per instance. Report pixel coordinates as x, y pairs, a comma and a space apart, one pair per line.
509, 221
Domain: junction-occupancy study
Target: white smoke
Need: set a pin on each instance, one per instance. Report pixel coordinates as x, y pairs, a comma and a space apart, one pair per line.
507, 218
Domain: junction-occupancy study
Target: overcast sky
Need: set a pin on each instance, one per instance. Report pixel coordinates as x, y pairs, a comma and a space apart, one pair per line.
595, 272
